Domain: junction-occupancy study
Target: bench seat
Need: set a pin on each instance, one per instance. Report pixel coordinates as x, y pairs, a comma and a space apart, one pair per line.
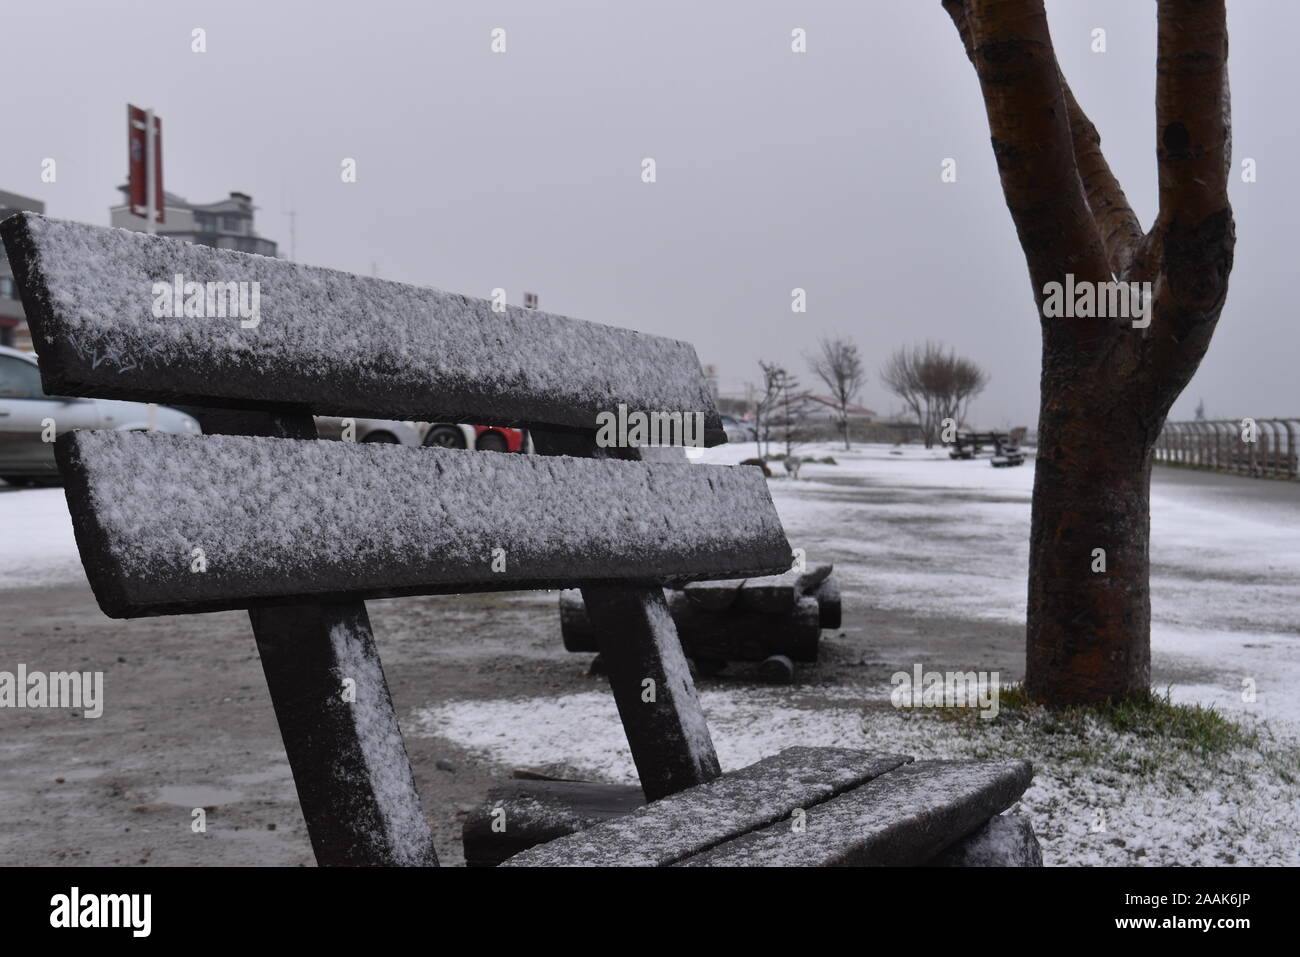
858, 807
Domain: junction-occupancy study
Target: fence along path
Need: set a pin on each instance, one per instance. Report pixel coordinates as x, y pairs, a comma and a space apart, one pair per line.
1255, 447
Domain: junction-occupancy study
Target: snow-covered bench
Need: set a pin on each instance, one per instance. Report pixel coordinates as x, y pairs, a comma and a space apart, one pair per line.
301, 532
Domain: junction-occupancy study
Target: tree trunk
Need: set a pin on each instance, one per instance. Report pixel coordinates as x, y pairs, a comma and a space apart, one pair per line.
1088, 628
1108, 382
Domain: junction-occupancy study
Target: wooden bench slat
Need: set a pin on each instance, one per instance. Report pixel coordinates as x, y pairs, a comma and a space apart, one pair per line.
327, 341
691, 821
904, 817
290, 520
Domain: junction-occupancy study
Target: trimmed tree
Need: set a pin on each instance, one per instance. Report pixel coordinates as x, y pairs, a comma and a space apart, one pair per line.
1107, 383
935, 384
839, 367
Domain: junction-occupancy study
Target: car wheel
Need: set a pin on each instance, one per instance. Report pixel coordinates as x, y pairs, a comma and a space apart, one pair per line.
387, 438
445, 437
491, 442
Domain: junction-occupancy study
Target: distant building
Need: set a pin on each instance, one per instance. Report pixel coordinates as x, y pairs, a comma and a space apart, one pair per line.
13, 321
225, 224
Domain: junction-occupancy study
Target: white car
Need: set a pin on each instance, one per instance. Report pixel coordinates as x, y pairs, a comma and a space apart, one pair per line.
386, 431
29, 419
738, 430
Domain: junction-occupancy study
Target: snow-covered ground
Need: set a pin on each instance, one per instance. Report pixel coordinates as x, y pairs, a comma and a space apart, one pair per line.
36, 543
921, 533
1234, 810
953, 540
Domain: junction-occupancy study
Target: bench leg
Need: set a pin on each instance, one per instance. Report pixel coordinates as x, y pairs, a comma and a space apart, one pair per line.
330, 697
647, 669
652, 687
349, 764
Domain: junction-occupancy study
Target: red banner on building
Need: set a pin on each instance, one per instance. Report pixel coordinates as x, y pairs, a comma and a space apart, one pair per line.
137, 164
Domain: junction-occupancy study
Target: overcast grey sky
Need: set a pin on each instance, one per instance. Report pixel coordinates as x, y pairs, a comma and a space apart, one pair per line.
775, 170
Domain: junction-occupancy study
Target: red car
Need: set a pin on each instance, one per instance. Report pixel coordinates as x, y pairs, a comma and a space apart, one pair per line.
485, 438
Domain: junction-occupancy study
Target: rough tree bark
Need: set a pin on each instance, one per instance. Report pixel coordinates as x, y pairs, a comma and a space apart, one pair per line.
1106, 386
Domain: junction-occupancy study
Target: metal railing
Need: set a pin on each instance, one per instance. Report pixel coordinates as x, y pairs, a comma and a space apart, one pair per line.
1256, 447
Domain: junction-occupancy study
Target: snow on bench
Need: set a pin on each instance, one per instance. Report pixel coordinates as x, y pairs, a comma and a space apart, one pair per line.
904, 817
169, 524
674, 828
330, 341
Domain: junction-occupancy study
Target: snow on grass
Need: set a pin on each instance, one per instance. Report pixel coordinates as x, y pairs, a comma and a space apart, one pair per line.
36, 543
1099, 797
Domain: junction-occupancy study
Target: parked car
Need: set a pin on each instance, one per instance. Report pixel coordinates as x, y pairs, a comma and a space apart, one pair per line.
387, 431
26, 457
445, 435
738, 430
485, 438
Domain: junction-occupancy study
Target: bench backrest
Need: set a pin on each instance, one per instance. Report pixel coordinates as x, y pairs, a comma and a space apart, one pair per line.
323, 340
170, 524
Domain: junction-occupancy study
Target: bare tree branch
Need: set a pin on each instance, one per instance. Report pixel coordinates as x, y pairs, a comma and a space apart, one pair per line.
773, 377
1118, 226
840, 368
1194, 234
1193, 117
1009, 43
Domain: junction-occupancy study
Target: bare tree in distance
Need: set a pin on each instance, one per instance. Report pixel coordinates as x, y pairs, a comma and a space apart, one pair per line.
955, 382
793, 409
839, 366
901, 377
1107, 383
773, 376
934, 383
